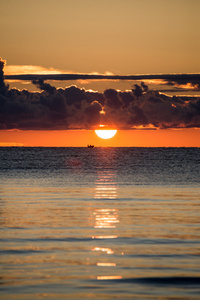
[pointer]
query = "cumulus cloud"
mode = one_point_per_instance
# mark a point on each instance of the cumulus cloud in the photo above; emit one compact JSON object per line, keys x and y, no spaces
{"x":2,"y":64}
{"x":72,"y":107}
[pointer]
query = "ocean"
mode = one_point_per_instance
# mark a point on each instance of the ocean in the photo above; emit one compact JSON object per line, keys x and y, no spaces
{"x":101,"y":223}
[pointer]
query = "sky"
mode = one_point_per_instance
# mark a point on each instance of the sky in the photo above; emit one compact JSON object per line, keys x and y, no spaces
{"x":119,"y":37}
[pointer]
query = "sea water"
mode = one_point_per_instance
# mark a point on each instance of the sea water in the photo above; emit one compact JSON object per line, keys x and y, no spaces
{"x":102,"y":223}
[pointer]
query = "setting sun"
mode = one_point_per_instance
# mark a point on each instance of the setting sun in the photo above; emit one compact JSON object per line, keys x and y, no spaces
{"x":105,"y":133}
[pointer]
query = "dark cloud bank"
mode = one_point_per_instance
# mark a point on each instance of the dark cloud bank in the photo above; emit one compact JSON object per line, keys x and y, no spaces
{"x":75,"y":108}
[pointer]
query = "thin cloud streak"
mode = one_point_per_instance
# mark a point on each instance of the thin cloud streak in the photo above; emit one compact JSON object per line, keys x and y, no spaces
{"x":178,"y":78}
{"x":30,"y":69}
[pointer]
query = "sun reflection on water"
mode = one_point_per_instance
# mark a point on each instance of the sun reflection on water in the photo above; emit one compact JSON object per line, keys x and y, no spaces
{"x":107,"y":250}
{"x":105,"y":217}
{"x":105,"y":186}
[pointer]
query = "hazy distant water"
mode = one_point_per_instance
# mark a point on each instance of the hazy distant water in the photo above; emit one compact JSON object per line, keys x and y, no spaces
{"x":102,"y":223}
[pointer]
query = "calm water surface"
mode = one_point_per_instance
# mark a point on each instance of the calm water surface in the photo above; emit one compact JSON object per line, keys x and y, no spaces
{"x":103,"y":223}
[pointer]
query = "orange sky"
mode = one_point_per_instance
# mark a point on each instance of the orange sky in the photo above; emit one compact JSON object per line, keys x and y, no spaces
{"x":114,"y":36}
{"x":119,"y":36}
{"x":123,"y":138}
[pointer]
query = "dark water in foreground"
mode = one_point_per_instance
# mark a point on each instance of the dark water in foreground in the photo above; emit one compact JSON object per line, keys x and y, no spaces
{"x":103,"y":223}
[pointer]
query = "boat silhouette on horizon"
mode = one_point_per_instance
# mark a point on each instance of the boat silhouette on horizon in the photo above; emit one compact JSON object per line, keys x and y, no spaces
{"x":90,"y":146}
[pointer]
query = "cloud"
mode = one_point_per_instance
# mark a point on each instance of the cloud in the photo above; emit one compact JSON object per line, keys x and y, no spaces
{"x":170,"y":79}
{"x":44,"y":86}
{"x":185,"y":82}
{"x":190,"y":85}
{"x":2,"y":64}
{"x":29,"y":69}
{"x":24,"y":73}
{"x":75,"y":108}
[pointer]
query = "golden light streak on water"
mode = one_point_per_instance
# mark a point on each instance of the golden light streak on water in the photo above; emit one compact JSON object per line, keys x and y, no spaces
{"x":108,"y":277}
{"x":107,"y":250}
{"x":106,"y":264}
{"x":105,"y":237}
{"x":105,"y":219}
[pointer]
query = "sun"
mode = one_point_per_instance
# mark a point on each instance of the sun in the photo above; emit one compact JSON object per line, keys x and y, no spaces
{"x":106,"y":133}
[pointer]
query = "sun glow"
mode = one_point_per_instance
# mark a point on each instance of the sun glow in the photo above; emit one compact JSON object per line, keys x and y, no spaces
{"x":105,"y":133}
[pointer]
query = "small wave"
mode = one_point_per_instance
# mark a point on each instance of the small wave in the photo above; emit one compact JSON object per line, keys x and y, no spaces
{"x":15,"y":251}
{"x":48,"y":239}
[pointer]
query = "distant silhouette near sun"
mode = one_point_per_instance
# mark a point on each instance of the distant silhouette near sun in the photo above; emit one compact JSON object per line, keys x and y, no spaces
{"x":106,"y":133}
